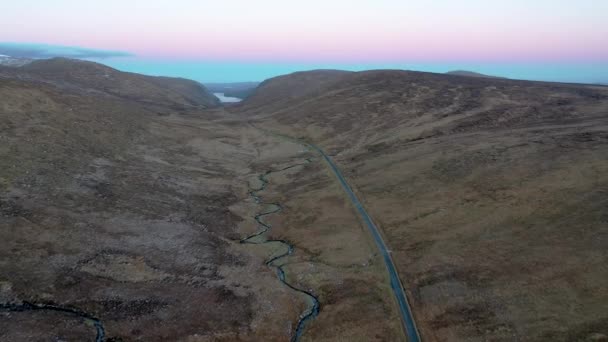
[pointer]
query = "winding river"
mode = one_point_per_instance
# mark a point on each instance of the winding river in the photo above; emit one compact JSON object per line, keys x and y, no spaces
{"x":405,"y":311}
{"x":27,"y":306}
{"x":259,"y":238}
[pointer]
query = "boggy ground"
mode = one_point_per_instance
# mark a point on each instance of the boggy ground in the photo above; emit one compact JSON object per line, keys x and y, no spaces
{"x":500,"y":237}
{"x":131,"y":214}
{"x":138,"y":235}
{"x":334,"y":258}
{"x":491,"y":194}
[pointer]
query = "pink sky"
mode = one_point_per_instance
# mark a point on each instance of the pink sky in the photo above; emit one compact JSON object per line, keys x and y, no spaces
{"x":315,"y":30}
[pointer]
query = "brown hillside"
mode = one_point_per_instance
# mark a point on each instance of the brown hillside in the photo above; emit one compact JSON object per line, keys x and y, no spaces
{"x":469,"y":74}
{"x":119,"y":213}
{"x":78,"y":75}
{"x":491,"y":194}
{"x":280,"y":91}
{"x":123,"y":201}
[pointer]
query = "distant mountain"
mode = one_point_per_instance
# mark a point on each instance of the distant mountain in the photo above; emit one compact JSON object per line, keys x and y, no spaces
{"x":240,"y":90}
{"x":94,"y":78}
{"x":280,"y":91}
{"x":219,"y":87}
{"x":14,"y":61}
{"x":469,"y":74}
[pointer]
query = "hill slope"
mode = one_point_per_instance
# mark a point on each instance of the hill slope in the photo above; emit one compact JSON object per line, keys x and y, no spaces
{"x":469,"y":74}
{"x":491,"y":193}
{"x":84,"y":76}
{"x":122,"y":201}
{"x":13,"y":61}
{"x":114,"y":215}
{"x":279,"y":92}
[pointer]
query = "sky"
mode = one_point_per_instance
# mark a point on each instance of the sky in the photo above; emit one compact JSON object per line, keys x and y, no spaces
{"x":246,"y":40}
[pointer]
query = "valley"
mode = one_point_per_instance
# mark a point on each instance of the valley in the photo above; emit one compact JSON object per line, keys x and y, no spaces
{"x":491,"y":202}
{"x":328,"y":205}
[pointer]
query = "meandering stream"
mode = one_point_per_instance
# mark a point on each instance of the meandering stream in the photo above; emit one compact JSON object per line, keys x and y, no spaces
{"x":26,"y":306}
{"x":407,"y":318}
{"x":259,"y":238}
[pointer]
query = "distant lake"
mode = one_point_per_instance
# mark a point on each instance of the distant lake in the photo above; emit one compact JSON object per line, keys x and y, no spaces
{"x":226,"y":99}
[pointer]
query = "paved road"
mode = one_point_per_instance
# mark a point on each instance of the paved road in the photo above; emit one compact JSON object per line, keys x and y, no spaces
{"x":404,"y":307}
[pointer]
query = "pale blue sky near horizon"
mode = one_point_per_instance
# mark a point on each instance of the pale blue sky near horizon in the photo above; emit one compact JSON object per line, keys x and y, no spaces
{"x":245,"y":40}
{"x":213,"y":71}
{"x":231,"y":71}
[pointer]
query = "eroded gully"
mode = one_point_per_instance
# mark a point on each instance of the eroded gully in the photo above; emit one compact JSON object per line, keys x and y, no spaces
{"x":259,"y":238}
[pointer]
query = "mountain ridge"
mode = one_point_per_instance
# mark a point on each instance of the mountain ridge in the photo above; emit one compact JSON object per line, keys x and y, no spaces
{"x":469,"y":178}
{"x":80,"y":75}
{"x":470,"y":74}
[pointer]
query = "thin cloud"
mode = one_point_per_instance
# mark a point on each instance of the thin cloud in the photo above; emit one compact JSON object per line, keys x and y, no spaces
{"x":37,"y":51}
